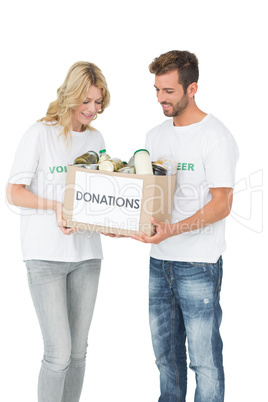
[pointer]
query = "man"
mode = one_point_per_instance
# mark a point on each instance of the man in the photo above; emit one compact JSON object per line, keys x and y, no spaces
{"x":186,"y":262}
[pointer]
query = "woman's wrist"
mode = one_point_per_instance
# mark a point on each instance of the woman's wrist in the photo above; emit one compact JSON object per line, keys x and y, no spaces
{"x":55,"y":205}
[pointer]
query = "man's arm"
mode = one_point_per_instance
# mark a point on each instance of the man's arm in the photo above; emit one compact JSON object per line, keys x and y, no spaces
{"x":215,"y":210}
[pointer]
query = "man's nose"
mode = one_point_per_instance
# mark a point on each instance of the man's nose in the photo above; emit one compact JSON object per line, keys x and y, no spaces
{"x":161,"y":97}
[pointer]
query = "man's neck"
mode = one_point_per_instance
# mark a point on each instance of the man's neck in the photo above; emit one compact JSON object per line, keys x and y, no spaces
{"x":192,"y":114}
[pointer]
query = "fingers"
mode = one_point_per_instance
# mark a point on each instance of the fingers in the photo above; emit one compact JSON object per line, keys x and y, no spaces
{"x":142,"y":238}
{"x":108,"y":234}
{"x":67,"y":230}
{"x":117,"y":236}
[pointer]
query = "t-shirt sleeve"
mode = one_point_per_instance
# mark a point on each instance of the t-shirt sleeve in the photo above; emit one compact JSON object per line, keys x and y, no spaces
{"x":26,"y":158}
{"x":220,"y":161}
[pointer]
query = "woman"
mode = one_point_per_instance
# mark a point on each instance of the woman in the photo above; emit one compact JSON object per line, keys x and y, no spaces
{"x":63,"y":264}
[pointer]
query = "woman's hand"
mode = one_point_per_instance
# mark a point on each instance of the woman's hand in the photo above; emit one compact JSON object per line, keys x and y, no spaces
{"x":58,"y":208}
{"x":117,"y":236}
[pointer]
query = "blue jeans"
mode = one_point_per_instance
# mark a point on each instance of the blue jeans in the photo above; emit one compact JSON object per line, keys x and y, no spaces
{"x":184,"y":302}
{"x":64,"y":296}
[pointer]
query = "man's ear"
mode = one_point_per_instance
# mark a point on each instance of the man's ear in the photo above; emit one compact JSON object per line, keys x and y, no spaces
{"x":192,"y":89}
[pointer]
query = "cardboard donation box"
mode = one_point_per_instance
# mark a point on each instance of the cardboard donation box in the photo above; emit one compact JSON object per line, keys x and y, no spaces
{"x":118,"y":203}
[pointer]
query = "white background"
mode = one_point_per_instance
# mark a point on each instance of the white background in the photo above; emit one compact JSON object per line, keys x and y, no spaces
{"x":39,"y":42}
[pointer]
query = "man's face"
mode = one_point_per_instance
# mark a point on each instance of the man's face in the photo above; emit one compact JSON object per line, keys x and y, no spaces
{"x":170,"y":94}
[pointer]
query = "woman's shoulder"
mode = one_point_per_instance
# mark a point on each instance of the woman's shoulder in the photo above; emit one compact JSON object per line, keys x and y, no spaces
{"x":94,"y":133}
{"x":39,"y":126}
{"x":42,"y":128}
{"x":39,"y":133}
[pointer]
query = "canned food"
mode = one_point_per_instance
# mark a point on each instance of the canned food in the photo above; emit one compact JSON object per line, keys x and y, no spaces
{"x":111,"y":165}
{"x":93,"y":166}
{"x":127,"y":169}
{"x":88,"y":158}
{"x":143,"y":164}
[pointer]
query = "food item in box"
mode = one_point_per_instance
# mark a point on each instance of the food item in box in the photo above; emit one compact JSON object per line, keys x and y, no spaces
{"x":88,"y":158}
{"x":103,"y":156}
{"x":127,"y":169}
{"x":143,"y":164}
{"x":159,"y":170}
{"x":111,"y":165}
{"x":131,"y":161}
{"x":168,"y":163}
{"x":93,"y":166}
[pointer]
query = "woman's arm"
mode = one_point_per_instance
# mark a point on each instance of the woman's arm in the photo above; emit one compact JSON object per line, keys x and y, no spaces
{"x":19,"y":196}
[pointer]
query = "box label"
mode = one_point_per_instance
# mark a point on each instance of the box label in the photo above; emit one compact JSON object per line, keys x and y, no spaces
{"x":107,"y":200}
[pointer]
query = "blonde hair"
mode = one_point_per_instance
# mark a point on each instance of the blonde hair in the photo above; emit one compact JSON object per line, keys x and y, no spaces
{"x":72,"y":93}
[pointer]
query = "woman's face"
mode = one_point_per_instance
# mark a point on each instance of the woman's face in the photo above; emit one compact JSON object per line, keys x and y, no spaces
{"x":85,"y":113}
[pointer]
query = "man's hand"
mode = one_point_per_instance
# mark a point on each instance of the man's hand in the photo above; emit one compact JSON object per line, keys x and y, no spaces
{"x":163,"y":231}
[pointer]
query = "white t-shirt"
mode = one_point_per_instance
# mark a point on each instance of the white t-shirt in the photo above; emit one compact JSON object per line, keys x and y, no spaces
{"x":41,"y":163}
{"x":206,"y":154}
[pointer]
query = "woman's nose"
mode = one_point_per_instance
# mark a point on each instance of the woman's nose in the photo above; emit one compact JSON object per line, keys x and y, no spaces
{"x":92,"y":107}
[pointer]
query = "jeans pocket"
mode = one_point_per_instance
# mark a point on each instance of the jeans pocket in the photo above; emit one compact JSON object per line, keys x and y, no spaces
{"x":42,"y":271}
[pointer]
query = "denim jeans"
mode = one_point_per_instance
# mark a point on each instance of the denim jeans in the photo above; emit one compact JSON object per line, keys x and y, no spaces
{"x":64,"y":296}
{"x":184,"y":302}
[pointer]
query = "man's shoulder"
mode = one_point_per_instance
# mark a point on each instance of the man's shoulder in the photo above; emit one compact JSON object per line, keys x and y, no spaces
{"x":165,"y":125}
{"x":216,"y":126}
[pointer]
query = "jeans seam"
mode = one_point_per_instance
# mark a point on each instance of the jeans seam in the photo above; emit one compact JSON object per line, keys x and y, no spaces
{"x":218,"y":288}
{"x":173,"y":316}
{"x":163,"y":267}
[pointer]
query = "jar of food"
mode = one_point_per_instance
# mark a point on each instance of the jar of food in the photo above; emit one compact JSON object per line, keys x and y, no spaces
{"x":103,"y":156}
{"x":168,"y":163}
{"x":88,"y":158}
{"x":159,"y":170}
{"x":127,"y":169}
{"x":131,"y":161}
{"x":93,"y":166}
{"x":143,"y":164}
{"x":111,"y":165}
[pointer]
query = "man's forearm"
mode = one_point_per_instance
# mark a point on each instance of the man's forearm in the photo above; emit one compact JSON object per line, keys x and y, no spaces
{"x":215,"y":210}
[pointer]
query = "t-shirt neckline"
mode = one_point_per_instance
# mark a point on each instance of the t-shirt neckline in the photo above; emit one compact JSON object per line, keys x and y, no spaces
{"x":190,"y":126}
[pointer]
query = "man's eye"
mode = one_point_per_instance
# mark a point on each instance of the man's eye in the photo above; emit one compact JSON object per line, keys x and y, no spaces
{"x":170,"y":92}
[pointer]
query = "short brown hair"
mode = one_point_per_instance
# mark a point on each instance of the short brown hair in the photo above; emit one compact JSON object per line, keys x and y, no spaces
{"x":184,"y":62}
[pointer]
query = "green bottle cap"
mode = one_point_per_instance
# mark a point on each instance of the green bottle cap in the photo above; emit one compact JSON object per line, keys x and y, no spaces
{"x":146,"y":150}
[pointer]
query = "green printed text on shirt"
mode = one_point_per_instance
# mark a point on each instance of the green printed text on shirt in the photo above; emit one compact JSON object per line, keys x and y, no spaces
{"x":185,"y":166}
{"x":58,"y":169}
